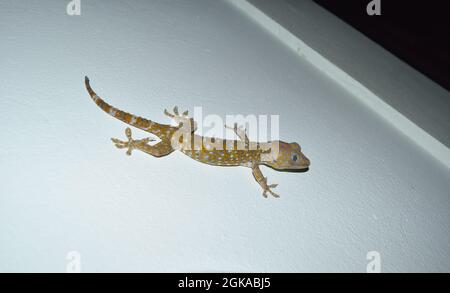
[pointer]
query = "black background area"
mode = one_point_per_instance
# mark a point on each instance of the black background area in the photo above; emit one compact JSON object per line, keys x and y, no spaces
{"x":417,"y":32}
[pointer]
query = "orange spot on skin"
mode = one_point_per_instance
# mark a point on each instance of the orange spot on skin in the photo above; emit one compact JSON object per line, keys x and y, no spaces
{"x":143,"y":122}
{"x":106,"y":107}
{"x":127,"y":117}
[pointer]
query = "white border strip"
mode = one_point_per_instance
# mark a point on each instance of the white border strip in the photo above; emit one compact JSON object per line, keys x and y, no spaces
{"x":430,"y":144}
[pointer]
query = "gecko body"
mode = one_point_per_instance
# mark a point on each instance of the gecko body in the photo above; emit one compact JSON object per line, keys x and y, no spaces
{"x":279,"y":155}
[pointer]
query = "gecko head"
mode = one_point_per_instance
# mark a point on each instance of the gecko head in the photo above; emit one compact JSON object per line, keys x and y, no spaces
{"x":287,"y":156}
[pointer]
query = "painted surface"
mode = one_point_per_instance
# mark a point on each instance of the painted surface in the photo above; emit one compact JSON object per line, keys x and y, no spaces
{"x":65,"y":187}
{"x":402,"y":96}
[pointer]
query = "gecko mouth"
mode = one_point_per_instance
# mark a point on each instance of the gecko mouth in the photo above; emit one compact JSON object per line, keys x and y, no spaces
{"x":299,"y":170}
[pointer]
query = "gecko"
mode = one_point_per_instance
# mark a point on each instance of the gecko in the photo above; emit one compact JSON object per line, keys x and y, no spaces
{"x":278,"y":155}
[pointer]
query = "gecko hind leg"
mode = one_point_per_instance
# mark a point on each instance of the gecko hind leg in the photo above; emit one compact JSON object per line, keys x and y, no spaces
{"x":182,"y":119}
{"x":158,"y":150}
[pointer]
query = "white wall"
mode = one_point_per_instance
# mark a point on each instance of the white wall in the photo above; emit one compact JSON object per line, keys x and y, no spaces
{"x":65,"y":187}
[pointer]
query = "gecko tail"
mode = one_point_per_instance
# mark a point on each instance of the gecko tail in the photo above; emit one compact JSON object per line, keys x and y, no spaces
{"x":128,"y":118}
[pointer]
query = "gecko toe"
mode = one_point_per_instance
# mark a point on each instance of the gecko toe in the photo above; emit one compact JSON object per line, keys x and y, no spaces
{"x":118,"y":143}
{"x":275,"y":195}
{"x":128,"y":133}
{"x":168,"y":114}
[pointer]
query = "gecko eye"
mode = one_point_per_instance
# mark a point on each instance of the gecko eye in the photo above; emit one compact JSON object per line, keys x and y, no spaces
{"x":294,"y":157}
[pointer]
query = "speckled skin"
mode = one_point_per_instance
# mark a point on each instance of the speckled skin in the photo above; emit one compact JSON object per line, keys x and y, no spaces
{"x":218,"y":152}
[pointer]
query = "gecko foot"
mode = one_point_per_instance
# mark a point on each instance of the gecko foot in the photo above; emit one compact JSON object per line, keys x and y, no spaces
{"x":131,"y":144}
{"x":182,"y":119}
{"x":267,"y":188}
{"x":176,"y":114}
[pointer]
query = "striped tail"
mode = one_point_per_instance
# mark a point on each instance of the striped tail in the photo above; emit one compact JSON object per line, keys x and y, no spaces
{"x":157,"y":129}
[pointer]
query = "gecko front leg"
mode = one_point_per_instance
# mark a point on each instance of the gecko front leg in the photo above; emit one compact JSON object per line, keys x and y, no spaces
{"x":158,"y":150}
{"x":241,"y":133}
{"x":259,"y":177}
